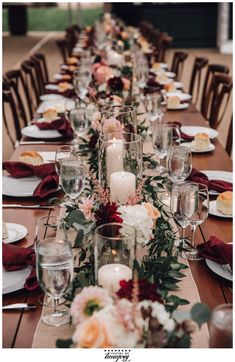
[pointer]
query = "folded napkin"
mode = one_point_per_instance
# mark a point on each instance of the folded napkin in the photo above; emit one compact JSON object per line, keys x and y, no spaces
{"x":216,"y":185}
{"x":152,"y":86}
{"x":16,"y":258}
{"x":68,"y":93}
{"x":61,"y":125}
{"x":218,"y":251}
{"x":183,"y":135}
{"x":50,"y":180}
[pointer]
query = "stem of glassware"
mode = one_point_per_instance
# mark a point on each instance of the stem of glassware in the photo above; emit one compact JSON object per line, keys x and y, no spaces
{"x":183,"y":233}
{"x":56,"y":303}
{"x":193,"y":235}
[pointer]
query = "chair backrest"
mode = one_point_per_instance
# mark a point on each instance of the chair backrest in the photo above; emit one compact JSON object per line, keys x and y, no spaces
{"x":31,"y":77}
{"x":164,"y":42}
{"x":178,"y":63}
{"x":9,"y":100}
{"x":218,"y":94}
{"x":195,"y":81}
{"x":211,"y":70}
{"x":63,"y":46}
{"x":20,"y":93}
{"x":40,"y":57}
{"x":229,"y":142}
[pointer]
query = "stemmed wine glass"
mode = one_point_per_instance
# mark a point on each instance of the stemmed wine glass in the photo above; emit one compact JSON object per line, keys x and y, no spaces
{"x":179,"y":163}
{"x":153,"y":106}
{"x":54,"y":267}
{"x":79,"y":122}
{"x":162,"y":142}
{"x":184,"y":204}
{"x":73,"y":177}
{"x":198,"y":218}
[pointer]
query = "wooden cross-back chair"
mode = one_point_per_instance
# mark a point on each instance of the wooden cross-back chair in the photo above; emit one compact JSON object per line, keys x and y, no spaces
{"x":164,"y":42}
{"x":178,"y":63}
{"x":195,"y":82}
{"x":9,"y":100}
{"x":229,"y":142}
{"x":64,"y":48}
{"x":218,"y":95}
{"x":20,"y":93}
{"x":33,"y":82}
{"x":211,"y":70}
{"x":41,"y":60}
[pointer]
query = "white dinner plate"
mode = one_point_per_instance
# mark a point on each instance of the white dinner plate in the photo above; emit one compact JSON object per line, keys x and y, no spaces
{"x":179,"y":107}
{"x":59,"y":76}
{"x":193,"y":130}
{"x":19,"y":187}
{"x":210,"y":148}
{"x":41,"y":120}
{"x":213,"y":210}
{"x":34,"y":132}
{"x":59,"y":104}
{"x":14,"y":280}
{"x":223,"y":271}
{"x":218,"y":175}
{"x":182,"y":96}
{"x":170,"y":74}
{"x":51,"y":86}
{"x":16,"y":232}
{"x":161,"y":66}
{"x":51,"y":97}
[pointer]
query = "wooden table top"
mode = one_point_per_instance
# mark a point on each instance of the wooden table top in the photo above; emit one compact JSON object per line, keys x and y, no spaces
{"x":19,"y":327}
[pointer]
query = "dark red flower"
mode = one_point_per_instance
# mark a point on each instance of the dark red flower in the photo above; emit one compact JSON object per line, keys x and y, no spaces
{"x":147,"y":290}
{"x":108,"y":213}
{"x":116,"y":84}
{"x":93,"y":141}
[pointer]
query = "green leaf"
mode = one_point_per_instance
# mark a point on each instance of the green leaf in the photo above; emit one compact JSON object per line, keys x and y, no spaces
{"x":64,"y":343}
{"x":82,"y":256}
{"x":76,"y":216}
{"x":79,"y":238}
{"x":184,"y":342}
{"x":200,"y":313}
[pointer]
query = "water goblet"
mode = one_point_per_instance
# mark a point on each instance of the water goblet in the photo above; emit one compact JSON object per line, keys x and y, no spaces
{"x":184,"y":203}
{"x":162,"y":142}
{"x":179,"y":163}
{"x":79,"y":123}
{"x":73,"y":177}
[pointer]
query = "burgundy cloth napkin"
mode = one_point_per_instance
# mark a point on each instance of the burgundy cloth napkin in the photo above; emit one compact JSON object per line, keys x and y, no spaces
{"x":216,"y":185}
{"x":218,"y":251}
{"x":50,"y":180}
{"x":61,"y":125}
{"x":152,"y":86}
{"x":68,"y":93}
{"x":183,"y":135}
{"x":16,"y":258}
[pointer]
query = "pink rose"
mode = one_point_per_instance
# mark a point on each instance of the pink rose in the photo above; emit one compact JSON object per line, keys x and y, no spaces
{"x":102,"y":74}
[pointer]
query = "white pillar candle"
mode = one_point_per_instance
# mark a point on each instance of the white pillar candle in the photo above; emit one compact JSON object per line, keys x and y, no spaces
{"x":109,"y":276}
{"x":122,"y":185}
{"x":114,"y":157}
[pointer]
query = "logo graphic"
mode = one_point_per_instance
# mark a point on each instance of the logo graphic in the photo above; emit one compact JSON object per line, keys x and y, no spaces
{"x":117,"y":355}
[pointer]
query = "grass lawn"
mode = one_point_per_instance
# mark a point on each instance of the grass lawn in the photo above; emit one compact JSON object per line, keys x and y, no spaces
{"x":53,"y":18}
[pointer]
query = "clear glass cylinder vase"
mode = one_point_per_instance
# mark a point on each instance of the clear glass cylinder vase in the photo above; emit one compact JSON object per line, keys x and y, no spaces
{"x":120,"y":158}
{"x":115,"y":248}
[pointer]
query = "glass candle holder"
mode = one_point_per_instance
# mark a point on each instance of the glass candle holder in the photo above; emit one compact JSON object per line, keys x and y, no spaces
{"x":114,"y":254}
{"x":120,"y":164}
{"x":221,"y":327}
{"x":126,"y":115}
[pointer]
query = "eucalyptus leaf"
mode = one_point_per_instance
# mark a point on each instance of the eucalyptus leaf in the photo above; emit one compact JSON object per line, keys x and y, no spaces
{"x":79,"y":238}
{"x":200,"y":313}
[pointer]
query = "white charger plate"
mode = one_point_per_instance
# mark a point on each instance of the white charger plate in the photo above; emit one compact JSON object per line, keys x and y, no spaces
{"x":34,"y":132}
{"x":51,"y":97}
{"x":51,"y":86}
{"x":180,"y":107}
{"x":210,"y":148}
{"x":193,"y":130}
{"x":14,"y":280}
{"x":182,"y":96}
{"x":16,"y":232}
{"x":19,"y":187}
{"x":221,"y":270}
{"x":213,"y":211}
{"x":170,"y":74}
{"x":178,"y":84}
{"x":218,"y":175}
{"x":59,"y":104}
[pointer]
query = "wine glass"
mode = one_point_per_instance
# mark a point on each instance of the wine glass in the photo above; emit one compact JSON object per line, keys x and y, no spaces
{"x":54,"y":267}
{"x":73,"y":177}
{"x":153,"y":106}
{"x":62,"y":153}
{"x":179,"y":163}
{"x":221,"y":327}
{"x":162,"y":141}
{"x":184,"y":204}
{"x":79,"y":123}
{"x":198,"y":218}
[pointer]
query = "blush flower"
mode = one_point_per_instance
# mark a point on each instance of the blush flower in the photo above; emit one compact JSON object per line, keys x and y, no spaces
{"x":95,"y":122}
{"x":152,"y":211}
{"x":90,"y":299}
{"x":113,"y":126}
{"x":103,"y":73}
{"x":126,"y":83}
{"x":86,"y":205}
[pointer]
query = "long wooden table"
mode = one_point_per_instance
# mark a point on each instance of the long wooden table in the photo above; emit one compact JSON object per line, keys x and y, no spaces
{"x":19,"y":327}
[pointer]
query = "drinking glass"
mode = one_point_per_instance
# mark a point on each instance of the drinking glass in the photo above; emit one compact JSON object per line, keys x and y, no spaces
{"x":184,"y":203}
{"x":198,"y":218}
{"x":54,"y":267}
{"x":79,"y":123}
{"x":162,"y":142}
{"x":179,"y":163}
{"x":72,"y":177}
{"x":221,"y":327}
{"x":62,"y":153}
{"x":153,"y":106}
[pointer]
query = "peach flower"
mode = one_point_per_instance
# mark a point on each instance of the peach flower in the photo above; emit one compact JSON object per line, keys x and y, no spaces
{"x":92,"y":333}
{"x":152,"y":211}
{"x":102,"y":74}
{"x":112,"y":125}
{"x":95,"y":122}
{"x":126,"y":83}
{"x":86,"y":206}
